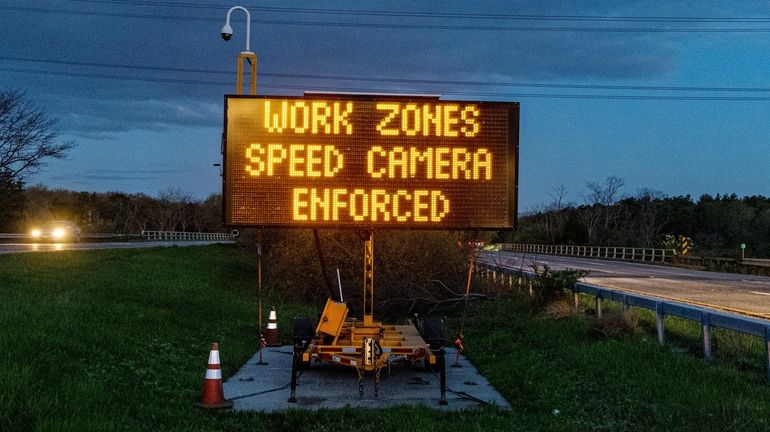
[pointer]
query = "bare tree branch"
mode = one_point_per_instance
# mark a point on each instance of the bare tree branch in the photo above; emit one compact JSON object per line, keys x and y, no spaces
{"x":600,"y":211}
{"x":27,"y":136}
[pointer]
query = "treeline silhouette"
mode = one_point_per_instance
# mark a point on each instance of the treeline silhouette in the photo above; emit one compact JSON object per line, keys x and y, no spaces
{"x":111,"y":212}
{"x":716,"y":225}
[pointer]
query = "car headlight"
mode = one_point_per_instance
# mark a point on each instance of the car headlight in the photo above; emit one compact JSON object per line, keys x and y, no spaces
{"x":58,"y":233}
{"x":35,"y":233}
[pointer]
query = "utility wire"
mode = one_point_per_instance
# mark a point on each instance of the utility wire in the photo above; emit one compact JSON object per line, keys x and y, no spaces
{"x":450,"y":15}
{"x":399,"y":80}
{"x":387,"y":91}
{"x":421,"y":27}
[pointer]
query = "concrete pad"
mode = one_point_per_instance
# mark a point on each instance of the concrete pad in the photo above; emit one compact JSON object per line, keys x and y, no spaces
{"x":266,"y":387}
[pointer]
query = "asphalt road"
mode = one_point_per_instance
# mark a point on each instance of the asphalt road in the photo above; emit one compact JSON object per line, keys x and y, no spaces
{"x":733,"y":292}
{"x":6,"y":248}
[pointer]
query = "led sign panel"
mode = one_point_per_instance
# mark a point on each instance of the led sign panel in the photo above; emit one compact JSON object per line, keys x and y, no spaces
{"x":370,"y":162}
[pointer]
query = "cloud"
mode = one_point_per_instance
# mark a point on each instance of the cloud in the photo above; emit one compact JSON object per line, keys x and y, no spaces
{"x":96,"y":108}
{"x":101,"y":117}
{"x":117,"y":175}
{"x":464,"y":53}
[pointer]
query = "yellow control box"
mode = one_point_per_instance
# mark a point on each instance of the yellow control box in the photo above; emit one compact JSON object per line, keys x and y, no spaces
{"x":332,"y":318}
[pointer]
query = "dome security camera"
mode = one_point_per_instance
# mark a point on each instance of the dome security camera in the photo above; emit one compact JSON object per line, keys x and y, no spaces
{"x":227,"y":32}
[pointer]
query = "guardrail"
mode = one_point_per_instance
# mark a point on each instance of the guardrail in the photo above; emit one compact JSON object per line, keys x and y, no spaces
{"x":611,"y":252}
{"x":755,"y":262}
{"x":14,"y":236}
{"x":185,"y":235}
{"x":84,"y":236}
{"x":708,"y":318}
{"x":145,"y":235}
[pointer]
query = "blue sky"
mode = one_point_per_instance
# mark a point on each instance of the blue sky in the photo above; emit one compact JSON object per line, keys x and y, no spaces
{"x":148,"y":130}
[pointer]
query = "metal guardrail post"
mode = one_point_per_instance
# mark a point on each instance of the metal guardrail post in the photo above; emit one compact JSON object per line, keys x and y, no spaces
{"x":659,"y":317}
{"x":767,"y":351}
{"x":598,"y":306}
{"x":576,"y":296}
{"x":706,"y":325}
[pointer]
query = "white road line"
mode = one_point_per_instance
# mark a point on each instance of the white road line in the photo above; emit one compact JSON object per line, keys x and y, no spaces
{"x":760,"y":293}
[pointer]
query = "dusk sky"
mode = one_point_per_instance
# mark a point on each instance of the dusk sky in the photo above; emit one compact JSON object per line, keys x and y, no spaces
{"x":669,"y":95}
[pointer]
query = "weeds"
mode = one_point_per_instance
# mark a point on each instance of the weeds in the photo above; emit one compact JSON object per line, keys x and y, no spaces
{"x":559,"y":309}
{"x":615,"y":325}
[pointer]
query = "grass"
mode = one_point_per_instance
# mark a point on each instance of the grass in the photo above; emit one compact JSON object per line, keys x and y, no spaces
{"x":729,"y":348}
{"x":118,"y":340}
{"x":611,"y":384}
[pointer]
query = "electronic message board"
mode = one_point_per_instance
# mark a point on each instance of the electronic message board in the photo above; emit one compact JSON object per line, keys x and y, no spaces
{"x":369,"y":161}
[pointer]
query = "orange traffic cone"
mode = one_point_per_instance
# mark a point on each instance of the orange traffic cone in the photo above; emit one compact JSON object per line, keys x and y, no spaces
{"x":272,"y":336}
{"x":213,"y":395}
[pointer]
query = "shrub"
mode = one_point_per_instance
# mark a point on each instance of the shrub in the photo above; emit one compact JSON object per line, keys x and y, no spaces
{"x":549,"y":286}
{"x":413,"y":270}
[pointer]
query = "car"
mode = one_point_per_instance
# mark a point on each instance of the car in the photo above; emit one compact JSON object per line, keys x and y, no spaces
{"x":57,"y":231}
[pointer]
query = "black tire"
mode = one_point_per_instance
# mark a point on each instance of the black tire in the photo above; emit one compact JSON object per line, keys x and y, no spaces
{"x":433,"y":333}
{"x":304,"y":330}
{"x":303,"y":333}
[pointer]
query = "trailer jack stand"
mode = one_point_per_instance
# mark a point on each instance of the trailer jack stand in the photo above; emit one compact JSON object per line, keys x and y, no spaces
{"x":360,"y":383}
{"x":295,"y":362}
{"x":442,"y":371}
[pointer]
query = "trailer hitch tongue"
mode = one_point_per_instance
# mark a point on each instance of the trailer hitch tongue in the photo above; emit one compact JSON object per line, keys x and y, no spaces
{"x":369,"y":351}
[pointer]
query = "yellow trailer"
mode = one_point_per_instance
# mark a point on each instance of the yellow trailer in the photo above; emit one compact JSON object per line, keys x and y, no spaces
{"x":366,"y":345}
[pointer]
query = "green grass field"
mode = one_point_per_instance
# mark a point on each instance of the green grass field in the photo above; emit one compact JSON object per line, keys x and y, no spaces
{"x":118,"y":340}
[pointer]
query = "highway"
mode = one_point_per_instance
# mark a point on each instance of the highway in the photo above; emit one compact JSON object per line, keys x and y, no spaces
{"x":6,"y":248}
{"x":727,"y":291}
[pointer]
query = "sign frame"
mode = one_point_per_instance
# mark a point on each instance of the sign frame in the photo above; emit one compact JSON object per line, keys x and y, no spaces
{"x":512,"y":162}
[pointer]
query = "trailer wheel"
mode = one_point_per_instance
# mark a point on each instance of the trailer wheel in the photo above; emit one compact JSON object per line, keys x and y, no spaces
{"x":304,"y":330}
{"x":433,"y":333}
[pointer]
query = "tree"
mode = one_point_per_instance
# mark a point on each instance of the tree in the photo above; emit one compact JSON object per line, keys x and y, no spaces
{"x":208,"y":214}
{"x":650,"y":215}
{"x":552,"y":218}
{"x":600,"y":211}
{"x":173,"y":210}
{"x":28,"y":136}
{"x":11,"y":201}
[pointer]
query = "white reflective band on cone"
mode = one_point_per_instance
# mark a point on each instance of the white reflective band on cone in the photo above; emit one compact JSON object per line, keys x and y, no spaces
{"x":272,"y":316}
{"x":213,"y":374}
{"x":272,"y":326}
{"x":214,"y":357}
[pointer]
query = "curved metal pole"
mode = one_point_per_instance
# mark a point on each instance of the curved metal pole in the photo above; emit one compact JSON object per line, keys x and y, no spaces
{"x":248,"y":24}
